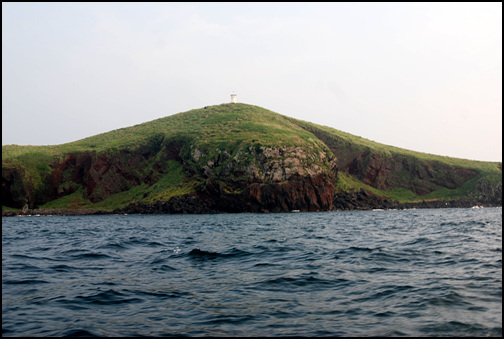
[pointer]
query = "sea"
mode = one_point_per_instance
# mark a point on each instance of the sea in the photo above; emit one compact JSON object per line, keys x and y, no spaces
{"x":425,"y":272}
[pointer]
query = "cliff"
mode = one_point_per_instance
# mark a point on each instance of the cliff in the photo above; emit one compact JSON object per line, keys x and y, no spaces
{"x":236,"y":158}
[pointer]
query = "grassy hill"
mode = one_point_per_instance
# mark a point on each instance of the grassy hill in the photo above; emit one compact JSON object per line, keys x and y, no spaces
{"x":231,"y":146}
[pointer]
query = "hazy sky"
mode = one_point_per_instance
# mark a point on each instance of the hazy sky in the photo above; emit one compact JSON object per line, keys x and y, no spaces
{"x":421,"y":76}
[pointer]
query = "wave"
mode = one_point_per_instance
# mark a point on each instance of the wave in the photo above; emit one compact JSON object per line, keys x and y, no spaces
{"x":305,"y":282}
{"x":114,"y":246}
{"x":91,"y":256}
{"x":24,"y":282}
{"x":109,"y":297}
{"x":160,"y":294}
{"x":198,"y":254}
{"x":79,"y":333}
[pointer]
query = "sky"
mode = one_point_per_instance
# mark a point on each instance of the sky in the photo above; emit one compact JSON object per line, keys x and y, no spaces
{"x":421,"y":76}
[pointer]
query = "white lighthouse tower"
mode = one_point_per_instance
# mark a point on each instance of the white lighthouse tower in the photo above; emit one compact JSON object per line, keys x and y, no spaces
{"x":233,"y":98}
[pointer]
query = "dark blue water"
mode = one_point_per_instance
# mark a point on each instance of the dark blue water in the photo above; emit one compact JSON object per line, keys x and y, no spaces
{"x":369,"y":273}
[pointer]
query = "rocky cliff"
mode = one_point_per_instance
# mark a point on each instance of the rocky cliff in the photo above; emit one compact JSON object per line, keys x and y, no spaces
{"x":254,"y":179}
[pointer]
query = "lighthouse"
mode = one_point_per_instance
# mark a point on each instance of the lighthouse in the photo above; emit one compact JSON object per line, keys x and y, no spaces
{"x":233,"y":98}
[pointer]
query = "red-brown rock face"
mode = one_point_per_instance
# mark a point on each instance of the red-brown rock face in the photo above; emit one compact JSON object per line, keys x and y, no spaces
{"x":297,"y":193}
{"x":422,"y":177}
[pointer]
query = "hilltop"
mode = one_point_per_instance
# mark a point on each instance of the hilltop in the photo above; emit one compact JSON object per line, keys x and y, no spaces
{"x":237,"y":158}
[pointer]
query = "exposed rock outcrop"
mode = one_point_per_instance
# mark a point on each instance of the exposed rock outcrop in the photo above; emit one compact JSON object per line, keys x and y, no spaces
{"x":487,"y":193}
{"x":304,"y":194}
{"x":269,"y":179}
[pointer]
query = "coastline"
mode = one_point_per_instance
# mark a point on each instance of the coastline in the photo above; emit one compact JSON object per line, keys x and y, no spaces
{"x":347,"y":207}
{"x":49,"y":212}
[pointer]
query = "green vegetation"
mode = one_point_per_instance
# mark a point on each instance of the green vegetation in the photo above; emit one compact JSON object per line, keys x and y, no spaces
{"x":72,"y":201}
{"x":169,"y":185}
{"x":348,"y":183}
{"x":215,"y":125}
{"x":229,"y":133}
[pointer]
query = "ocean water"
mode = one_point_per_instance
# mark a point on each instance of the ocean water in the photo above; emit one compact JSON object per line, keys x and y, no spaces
{"x":432,"y":272}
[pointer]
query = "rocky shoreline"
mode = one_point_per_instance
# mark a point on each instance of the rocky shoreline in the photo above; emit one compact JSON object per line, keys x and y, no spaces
{"x":49,"y":212}
{"x":355,"y":201}
{"x":362,"y":200}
